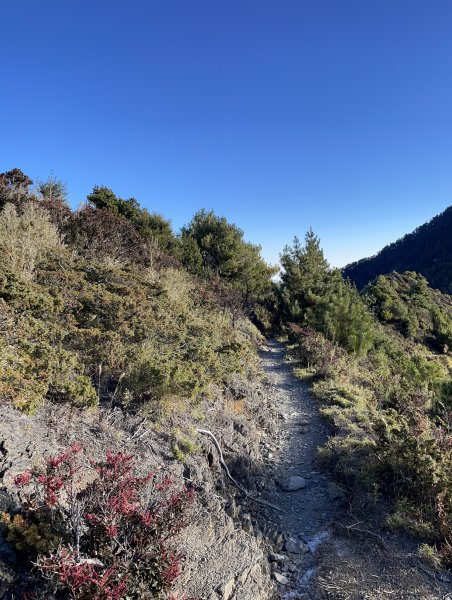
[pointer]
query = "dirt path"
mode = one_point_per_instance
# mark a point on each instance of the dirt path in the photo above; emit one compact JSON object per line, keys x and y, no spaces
{"x":315,"y":558}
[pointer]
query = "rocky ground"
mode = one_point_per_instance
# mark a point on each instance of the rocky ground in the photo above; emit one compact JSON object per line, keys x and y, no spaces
{"x":224,"y":558}
{"x":311,"y":547}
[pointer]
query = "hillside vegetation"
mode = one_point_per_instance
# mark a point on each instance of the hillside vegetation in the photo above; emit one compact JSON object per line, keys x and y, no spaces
{"x":380,"y":363}
{"x":427,"y":250}
{"x":97,"y":304}
{"x":107,"y":306}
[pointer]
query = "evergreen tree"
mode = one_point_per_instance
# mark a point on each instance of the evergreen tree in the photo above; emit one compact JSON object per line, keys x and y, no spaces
{"x":212,"y":247}
{"x":303,"y":280}
{"x":52,"y":189}
{"x":342,"y":316}
{"x":312,"y":294}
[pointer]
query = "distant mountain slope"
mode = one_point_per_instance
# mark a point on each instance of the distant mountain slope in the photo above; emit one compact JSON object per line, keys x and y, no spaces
{"x":427,"y":250}
{"x":405,"y":302}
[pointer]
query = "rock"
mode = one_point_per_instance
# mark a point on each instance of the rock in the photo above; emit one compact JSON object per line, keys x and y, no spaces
{"x":296,"y":546}
{"x":281,"y":579}
{"x":274,"y":557}
{"x":228,"y":589}
{"x":292,"y":546}
{"x":293,"y":483}
{"x":247,"y":524}
{"x":232,"y":510}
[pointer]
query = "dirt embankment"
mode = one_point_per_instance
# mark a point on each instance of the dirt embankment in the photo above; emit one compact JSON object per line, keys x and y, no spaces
{"x":224,"y":556}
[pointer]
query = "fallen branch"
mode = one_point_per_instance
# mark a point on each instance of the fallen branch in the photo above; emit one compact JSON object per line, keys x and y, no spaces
{"x":238,"y":485}
{"x":354,"y":529}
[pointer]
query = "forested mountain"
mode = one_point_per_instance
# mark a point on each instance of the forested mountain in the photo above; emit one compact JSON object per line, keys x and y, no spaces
{"x":427,"y":250}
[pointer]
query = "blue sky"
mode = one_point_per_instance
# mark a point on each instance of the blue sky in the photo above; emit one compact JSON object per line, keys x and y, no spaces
{"x":279,"y":115}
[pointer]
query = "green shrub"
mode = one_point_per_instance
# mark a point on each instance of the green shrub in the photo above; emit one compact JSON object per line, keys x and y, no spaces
{"x":391,"y":429}
{"x":26,"y":238}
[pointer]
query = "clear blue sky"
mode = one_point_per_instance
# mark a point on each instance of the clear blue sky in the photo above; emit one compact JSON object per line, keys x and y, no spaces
{"x":279,"y":115}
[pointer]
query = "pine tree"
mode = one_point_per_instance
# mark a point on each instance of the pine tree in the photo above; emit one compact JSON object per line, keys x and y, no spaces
{"x":304,"y":276}
{"x":221,"y":252}
{"x":312,"y":294}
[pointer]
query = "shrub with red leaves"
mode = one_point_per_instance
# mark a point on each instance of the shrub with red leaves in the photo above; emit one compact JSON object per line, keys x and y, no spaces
{"x":99,"y":233}
{"x":117,"y":531}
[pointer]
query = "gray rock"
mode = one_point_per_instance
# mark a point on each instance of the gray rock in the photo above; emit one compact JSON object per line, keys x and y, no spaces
{"x":274,"y":557}
{"x":281,"y":579}
{"x":296,"y":546}
{"x":228,"y":589}
{"x":292,"y":546}
{"x":293,"y":483}
{"x":232,"y":510}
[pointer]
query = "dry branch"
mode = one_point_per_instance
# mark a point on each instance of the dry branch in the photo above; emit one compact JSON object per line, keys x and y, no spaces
{"x":238,"y":485}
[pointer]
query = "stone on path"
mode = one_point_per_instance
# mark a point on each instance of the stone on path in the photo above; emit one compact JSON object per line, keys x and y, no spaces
{"x":293,"y":483}
{"x":274,"y":557}
{"x":296,"y":546}
{"x":281,"y":579}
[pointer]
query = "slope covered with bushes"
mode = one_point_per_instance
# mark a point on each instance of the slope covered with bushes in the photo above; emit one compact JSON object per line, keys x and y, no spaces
{"x":381,"y":366}
{"x":93,"y":307}
{"x":105,"y":307}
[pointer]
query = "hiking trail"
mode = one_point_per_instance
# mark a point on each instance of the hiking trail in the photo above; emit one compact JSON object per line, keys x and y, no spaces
{"x":322,"y":549}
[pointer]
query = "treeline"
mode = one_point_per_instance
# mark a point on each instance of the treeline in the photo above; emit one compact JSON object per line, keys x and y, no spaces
{"x":427,"y":250}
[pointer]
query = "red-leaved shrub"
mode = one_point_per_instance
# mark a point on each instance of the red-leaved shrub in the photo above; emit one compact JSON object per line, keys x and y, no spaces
{"x":117,"y":527}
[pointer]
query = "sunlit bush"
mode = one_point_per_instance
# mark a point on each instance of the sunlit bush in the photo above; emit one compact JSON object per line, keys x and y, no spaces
{"x":116,"y":532}
{"x":26,"y":238}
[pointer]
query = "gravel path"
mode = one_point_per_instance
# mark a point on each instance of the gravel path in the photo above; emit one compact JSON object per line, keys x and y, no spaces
{"x":291,"y":459}
{"x":315,"y":557}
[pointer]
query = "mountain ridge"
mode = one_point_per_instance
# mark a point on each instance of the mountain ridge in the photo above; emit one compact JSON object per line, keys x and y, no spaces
{"x":426,"y":250}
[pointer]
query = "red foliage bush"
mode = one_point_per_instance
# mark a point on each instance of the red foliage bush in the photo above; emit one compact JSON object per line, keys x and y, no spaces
{"x":117,"y":531}
{"x":98,"y":233}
